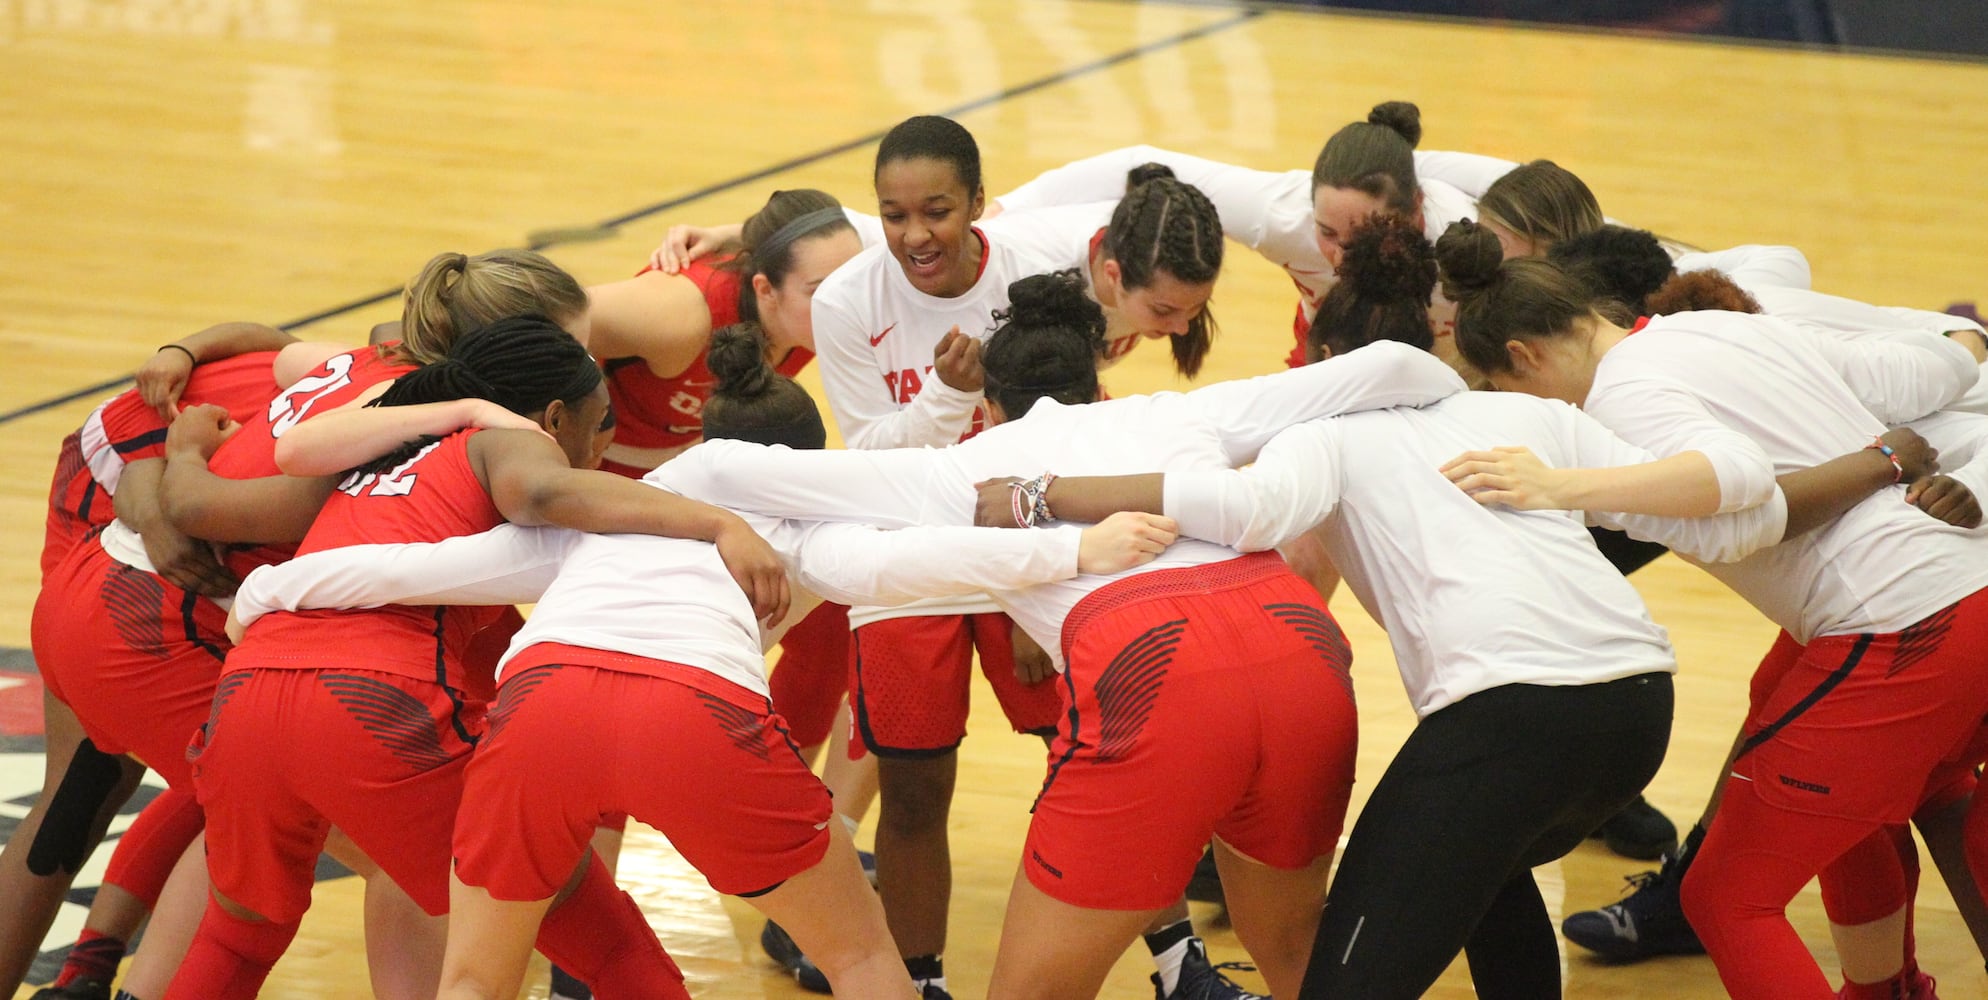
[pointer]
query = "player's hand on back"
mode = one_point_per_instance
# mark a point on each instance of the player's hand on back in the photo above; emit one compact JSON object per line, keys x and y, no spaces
{"x":994,"y":507}
{"x":1124,"y":540}
{"x":758,"y":570}
{"x":1944,"y":498}
{"x":162,"y":378}
{"x":687,"y":243}
{"x":200,"y":430}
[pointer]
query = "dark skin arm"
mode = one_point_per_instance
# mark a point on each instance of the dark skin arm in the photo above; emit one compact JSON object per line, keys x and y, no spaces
{"x":163,"y":377}
{"x":1815,"y":496}
{"x":187,"y":563}
{"x":531,"y":482}
{"x":201,"y":504}
{"x":1075,"y":498}
{"x":1819,"y":495}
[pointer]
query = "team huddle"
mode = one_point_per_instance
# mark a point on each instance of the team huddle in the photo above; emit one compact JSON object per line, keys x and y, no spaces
{"x":284,"y":576}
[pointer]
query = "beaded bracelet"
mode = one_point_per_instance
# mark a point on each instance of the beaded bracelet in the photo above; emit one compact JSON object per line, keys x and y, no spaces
{"x":1030,"y":501}
{"x":1897,"y":467}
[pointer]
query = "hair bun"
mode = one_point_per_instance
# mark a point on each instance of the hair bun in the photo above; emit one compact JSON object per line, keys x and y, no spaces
{"x":1387,"y":258}
{"x":1145,"y":172}
{"x":737,"y":358}
{"x":1469,"y":255}
{"x":1402,"y":117}
{"x":1056,"y":299}
{"x":1627,"y":265}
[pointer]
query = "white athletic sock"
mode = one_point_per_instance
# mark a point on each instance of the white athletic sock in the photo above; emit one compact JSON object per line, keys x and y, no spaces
{"x":1168,"y":964}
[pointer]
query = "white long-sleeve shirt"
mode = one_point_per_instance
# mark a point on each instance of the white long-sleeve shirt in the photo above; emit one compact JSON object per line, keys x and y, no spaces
{"x":1472,"y":597}
{"x":1761,"y":397}
{"x":659,"y":598}
{"x":875,"y":334}
{"x":1209,"y":429}
{"x":1268,"y":211}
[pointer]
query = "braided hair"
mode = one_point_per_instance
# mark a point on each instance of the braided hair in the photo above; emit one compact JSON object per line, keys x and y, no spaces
{"x":522,"y":364}
{"x":753,"y":402}
{"x":1375,"y":157}
{"x":1165,"y":225}
{"x":1047,"y":344}
{"x":1385,"y":280}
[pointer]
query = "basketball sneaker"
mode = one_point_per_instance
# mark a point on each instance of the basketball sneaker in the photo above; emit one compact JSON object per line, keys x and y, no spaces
{"x":933,"y":991}
{"x":1638,"y":831}
{"x":1921,"y":988}
{"x":781,"y":948}
{"x":1649,"y":922}
{"x":565,"y":987}
{"x":76,"y":989}
{"x":1202,"y":981}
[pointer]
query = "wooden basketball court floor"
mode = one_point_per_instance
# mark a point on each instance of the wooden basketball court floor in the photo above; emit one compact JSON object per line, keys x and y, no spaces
{"x":167,"y":165}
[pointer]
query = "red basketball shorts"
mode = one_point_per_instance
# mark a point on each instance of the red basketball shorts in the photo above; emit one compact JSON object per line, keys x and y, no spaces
{"x":1213,"y":700}
{"x":1854,"y":726}
{"x":288,"y":754}
{"x":910,"y":679}
{"x":76,"y":504}
{"x":813,"y":673}
{"x":578,"y":733}
{"x":133,"y":656}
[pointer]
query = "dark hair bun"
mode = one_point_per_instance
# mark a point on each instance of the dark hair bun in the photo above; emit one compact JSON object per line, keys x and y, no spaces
{"x":737,"y":358}
{"x":1145,"y":172}
{"x":1469,"y":255}
{"x":1387,"y":259}
{"x":1404,"y":118}
{"x":1055,"y":299}
{"x":1616,"y":262}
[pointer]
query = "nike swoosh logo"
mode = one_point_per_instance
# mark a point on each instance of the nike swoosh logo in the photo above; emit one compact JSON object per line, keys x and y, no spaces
{"x":879,"y":338}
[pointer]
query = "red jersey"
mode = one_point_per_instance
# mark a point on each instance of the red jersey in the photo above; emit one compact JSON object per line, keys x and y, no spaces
{"x":651,"y":411}
{"x":430,"y":497}
{"x":251,"y":453}
{"x":126,"y":429}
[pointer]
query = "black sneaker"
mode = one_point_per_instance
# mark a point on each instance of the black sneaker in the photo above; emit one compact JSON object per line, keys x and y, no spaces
{"x":1649,"y":922}
{"x":782,"y":949}
{"x":565,"y":987}
{"x":77,"y":989}
{"x":1639,"y":831}
{"x":1206,"y":885}
{"x":933,"y":991}
{"x":1201,"y":981}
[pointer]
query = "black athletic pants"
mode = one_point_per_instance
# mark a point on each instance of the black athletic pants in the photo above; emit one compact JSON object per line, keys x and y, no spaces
{"x":1441,"y":858}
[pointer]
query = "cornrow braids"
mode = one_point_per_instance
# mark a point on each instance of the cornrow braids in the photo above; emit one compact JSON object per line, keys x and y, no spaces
{"x":522,"y":364}
{"x":1167,"y":225}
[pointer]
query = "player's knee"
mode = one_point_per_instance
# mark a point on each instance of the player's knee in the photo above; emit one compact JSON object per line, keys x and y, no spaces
{"x":914,"y":804}
{"x":68,"y":827}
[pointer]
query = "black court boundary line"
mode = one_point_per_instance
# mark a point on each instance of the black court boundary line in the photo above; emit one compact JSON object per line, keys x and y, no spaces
{"x":1567,"y":28}
{"x":1062,"y":76}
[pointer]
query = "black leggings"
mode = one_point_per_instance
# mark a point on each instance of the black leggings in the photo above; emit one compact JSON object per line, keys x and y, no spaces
{"x":1441,"y":858}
